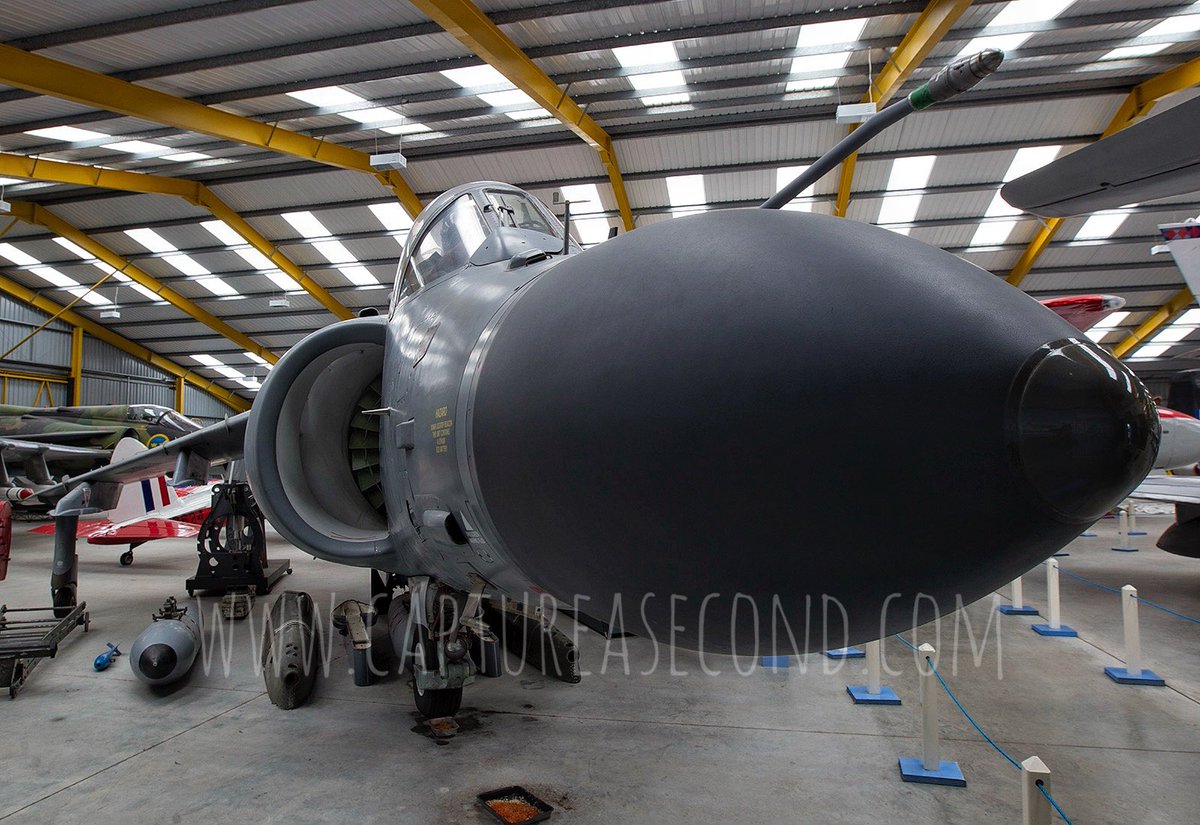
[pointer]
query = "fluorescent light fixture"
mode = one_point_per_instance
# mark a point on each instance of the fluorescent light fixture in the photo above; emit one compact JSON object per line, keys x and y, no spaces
{"x":206,"y":360}
{"x":16,"y":256}
{"x":1016,"y":13}
{"x":68,"y":134}
{"x":151,"y":240}
{"x":358,"y":275}
{"x":392,"y":216}
{"x":186,"y":157}
{"x":686,"y":191}
{"x":326,"y":96}
{"x":474,"y":77}
{"x":785,"y":175}
{"x":1150,"y":351}
{"x":1101,"y":225}
{"x":653,"y":54}
{"x":135,"y":147}
{"x":307,"y":224}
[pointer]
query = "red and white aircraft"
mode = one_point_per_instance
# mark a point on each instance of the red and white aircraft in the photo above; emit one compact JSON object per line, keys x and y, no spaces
{"x":146,"y":510}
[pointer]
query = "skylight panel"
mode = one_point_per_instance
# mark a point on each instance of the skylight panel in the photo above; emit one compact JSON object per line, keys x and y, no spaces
{"x":327,"y":96}
{"x":514,"y":97}
{"x":216,"y":286}
{"x":375,"y":114}
{"x":258,"y":359}
{"x":186,"y":264}
{"x":1172,"y":334}
{"x":67,"y":134}
{"x":392,"y":216}
{"x":686,"y":191}
{"x":151,"y":240}
{"x":653,"y":54}
{"x":1015,"y":13}
{"x":1150,"y":351}
{"x":224,"y":233}
{"x":585,"y":198}
{"x":358,"y":275}
{"x":1101,"y":225}
{"x":186,"y":157}
{"x":820,"y":34}
{"x":1180,"y":24}
{"x":16,"y":256}
{"x":307,"y":224}
{"x":1189,"y":318}
{"x":135,"y":147}
{"x":206,"y":360}
{"x":76,"y":249}
{"x":335,"y":252}
{"x":52,"y":276}
{"x":992,"y":233}
{"x":785,"y":175}
{"x":906,"y":173}
{"x":230,"y":372}
{"x":1026,"y":160}
{"x":474,"y":77}
{"x":406,"y":129}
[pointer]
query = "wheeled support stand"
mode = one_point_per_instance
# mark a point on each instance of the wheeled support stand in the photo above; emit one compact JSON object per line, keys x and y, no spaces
{"x":233,"y":545}
{"x":64,"y":575}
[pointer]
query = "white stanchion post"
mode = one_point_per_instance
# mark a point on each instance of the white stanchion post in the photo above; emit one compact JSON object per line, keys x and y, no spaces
{"x":930,"y":746}
{"x":1134,"y":673}
{"x":1018,"y":593}
{"x":1123,"y":522}
{"x":1133,"y":531}
{"x":1035,"y":808}
{"x":1133,"y":636}
{"x":874,"y":676}
{"x":1052,"y":593}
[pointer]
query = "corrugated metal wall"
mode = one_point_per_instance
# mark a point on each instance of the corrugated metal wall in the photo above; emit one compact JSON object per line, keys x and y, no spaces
{"x":110,"y":376}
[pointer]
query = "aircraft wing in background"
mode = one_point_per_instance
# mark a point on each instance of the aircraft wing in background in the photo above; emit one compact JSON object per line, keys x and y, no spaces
{"x":187,"y":460}
{"x":1084,"y":311}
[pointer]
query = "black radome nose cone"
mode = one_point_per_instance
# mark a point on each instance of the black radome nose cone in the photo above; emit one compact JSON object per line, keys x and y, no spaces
{"x":1083,"y":430}
{"x":157,"y":661}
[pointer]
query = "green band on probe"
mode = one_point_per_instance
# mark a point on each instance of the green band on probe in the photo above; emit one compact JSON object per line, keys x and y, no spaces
{"x":921,"y":98}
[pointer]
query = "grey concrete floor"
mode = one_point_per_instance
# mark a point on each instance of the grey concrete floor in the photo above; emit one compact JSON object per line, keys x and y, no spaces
{"x":81,"y":746}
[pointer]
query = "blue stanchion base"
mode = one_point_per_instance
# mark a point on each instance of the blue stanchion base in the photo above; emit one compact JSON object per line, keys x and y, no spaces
{"x":948,"y":773}
{"x":776,"y":661}
{"x":1088,"y":535}
{"x":1013,"y":610}
{"x":1047,"y":630}
{"x":1136,"y":533}
{"x":1123,"y":677}
{"x":1125,"y":549}
{"x":845,"y":653}
{"x":860,"y":695}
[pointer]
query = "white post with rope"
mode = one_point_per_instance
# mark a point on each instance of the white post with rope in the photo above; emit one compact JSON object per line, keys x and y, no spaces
{"x":1053,"y":627}
{"x":874,"y":692}
{"x":1133,"y":673}
{"x":930,"y":768}
{"x":1035,"y":808}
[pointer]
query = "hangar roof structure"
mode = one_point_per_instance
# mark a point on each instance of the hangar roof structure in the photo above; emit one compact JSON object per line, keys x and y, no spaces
{"x":209,"y":163}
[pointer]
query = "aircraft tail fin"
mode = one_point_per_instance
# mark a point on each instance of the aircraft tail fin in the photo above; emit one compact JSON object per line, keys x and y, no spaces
{"x":139,"y":497}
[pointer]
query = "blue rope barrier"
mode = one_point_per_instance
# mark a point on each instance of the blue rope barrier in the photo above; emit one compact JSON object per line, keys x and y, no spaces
{"x":1053,"y":804}
{"x":1116,"y":590}
{"x":907,"y":643}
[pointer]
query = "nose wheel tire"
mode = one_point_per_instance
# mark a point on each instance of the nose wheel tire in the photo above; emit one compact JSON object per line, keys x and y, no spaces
{"x":432,"y":704}
{"x":126,"y":558}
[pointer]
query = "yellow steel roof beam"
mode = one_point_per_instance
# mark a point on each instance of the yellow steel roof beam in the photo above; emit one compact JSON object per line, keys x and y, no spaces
{"x":29,"y":296}
{"x":477,"y":32}
{"x":62,"y":80}
{"x":31,"y":168}
{"x":1136,"y":104}
{"x":39,"y":216}
{"x":925,"y":33}
{"x":1180,"y":301}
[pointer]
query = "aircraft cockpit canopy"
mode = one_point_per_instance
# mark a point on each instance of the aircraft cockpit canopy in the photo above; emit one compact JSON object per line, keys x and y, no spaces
{"x":165,"y":416}
{"x":460,"y":221}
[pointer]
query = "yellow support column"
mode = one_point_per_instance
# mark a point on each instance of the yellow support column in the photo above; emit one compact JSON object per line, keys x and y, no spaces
{"x":77,"y":366}
{"x":179,"y":395}
{"x":925,"y":33}
{"x":477,"y":32}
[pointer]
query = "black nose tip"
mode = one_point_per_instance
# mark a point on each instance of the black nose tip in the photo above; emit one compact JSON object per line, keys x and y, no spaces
{"x":1083,"y":430}
{"x":157,"y":661}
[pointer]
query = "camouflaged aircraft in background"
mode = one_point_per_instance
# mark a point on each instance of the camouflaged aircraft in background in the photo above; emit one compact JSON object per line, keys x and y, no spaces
{"x":39,"y":445}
